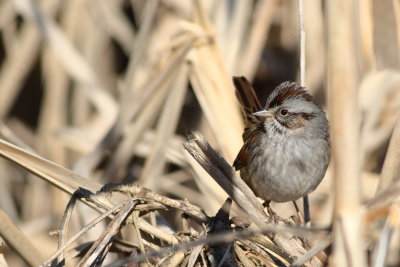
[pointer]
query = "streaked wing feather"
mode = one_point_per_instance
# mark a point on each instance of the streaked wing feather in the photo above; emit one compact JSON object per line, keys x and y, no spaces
{"x":246,"y":95}
{"x":242,"y":159}
{"x":249,"y":103}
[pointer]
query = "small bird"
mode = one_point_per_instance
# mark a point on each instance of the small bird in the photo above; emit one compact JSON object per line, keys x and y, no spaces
{"x":286,"y":148}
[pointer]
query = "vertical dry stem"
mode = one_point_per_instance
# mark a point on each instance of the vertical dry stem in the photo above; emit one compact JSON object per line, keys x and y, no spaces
{"x":342,"y":84}
{"x":302,"y":44}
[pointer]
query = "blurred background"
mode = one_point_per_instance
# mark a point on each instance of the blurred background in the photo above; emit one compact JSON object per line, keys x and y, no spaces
{"x":109,"y":89}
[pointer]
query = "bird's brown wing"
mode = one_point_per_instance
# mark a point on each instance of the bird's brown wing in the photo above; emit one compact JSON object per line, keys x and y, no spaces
{"x":249,"y":103}
{"x":243,"y":156}
{"x":246,"y":96}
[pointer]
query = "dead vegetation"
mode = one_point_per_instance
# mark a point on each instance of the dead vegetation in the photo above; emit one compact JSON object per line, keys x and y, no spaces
{"x":112,"y":91}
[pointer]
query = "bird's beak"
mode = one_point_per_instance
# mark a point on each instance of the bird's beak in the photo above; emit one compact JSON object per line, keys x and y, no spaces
{"x":263,"y":113}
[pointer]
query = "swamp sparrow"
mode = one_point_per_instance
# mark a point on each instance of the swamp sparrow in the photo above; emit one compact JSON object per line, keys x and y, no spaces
{"x":286,"y":147}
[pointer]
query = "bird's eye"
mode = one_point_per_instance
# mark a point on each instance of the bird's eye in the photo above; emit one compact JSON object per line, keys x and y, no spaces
{"x":284,"y":112}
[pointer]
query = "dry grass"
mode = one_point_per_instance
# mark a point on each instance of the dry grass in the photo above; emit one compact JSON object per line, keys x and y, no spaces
{"x":110,"y":89}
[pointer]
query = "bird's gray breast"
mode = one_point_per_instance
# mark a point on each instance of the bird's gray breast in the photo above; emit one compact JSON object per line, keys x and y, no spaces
{"x":284,"y":168}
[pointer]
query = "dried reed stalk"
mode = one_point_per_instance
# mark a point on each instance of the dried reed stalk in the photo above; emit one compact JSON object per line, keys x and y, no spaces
{"x":344,"y":117}
{"x":20,"y":242}
{"x":116,"y":66}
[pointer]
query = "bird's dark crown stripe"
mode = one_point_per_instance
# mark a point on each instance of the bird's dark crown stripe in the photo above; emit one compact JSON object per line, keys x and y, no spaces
{"x":288,"y":90}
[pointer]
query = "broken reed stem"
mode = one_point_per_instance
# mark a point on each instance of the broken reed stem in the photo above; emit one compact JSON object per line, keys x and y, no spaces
{"x":140,"y":193}
{"x":319,"y":247}
{"x":100,"y":248}
{"x":90,"y":225}
{"x":223,"y":174}
{"x":64,"y":225}
{"x":218,"y":238}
